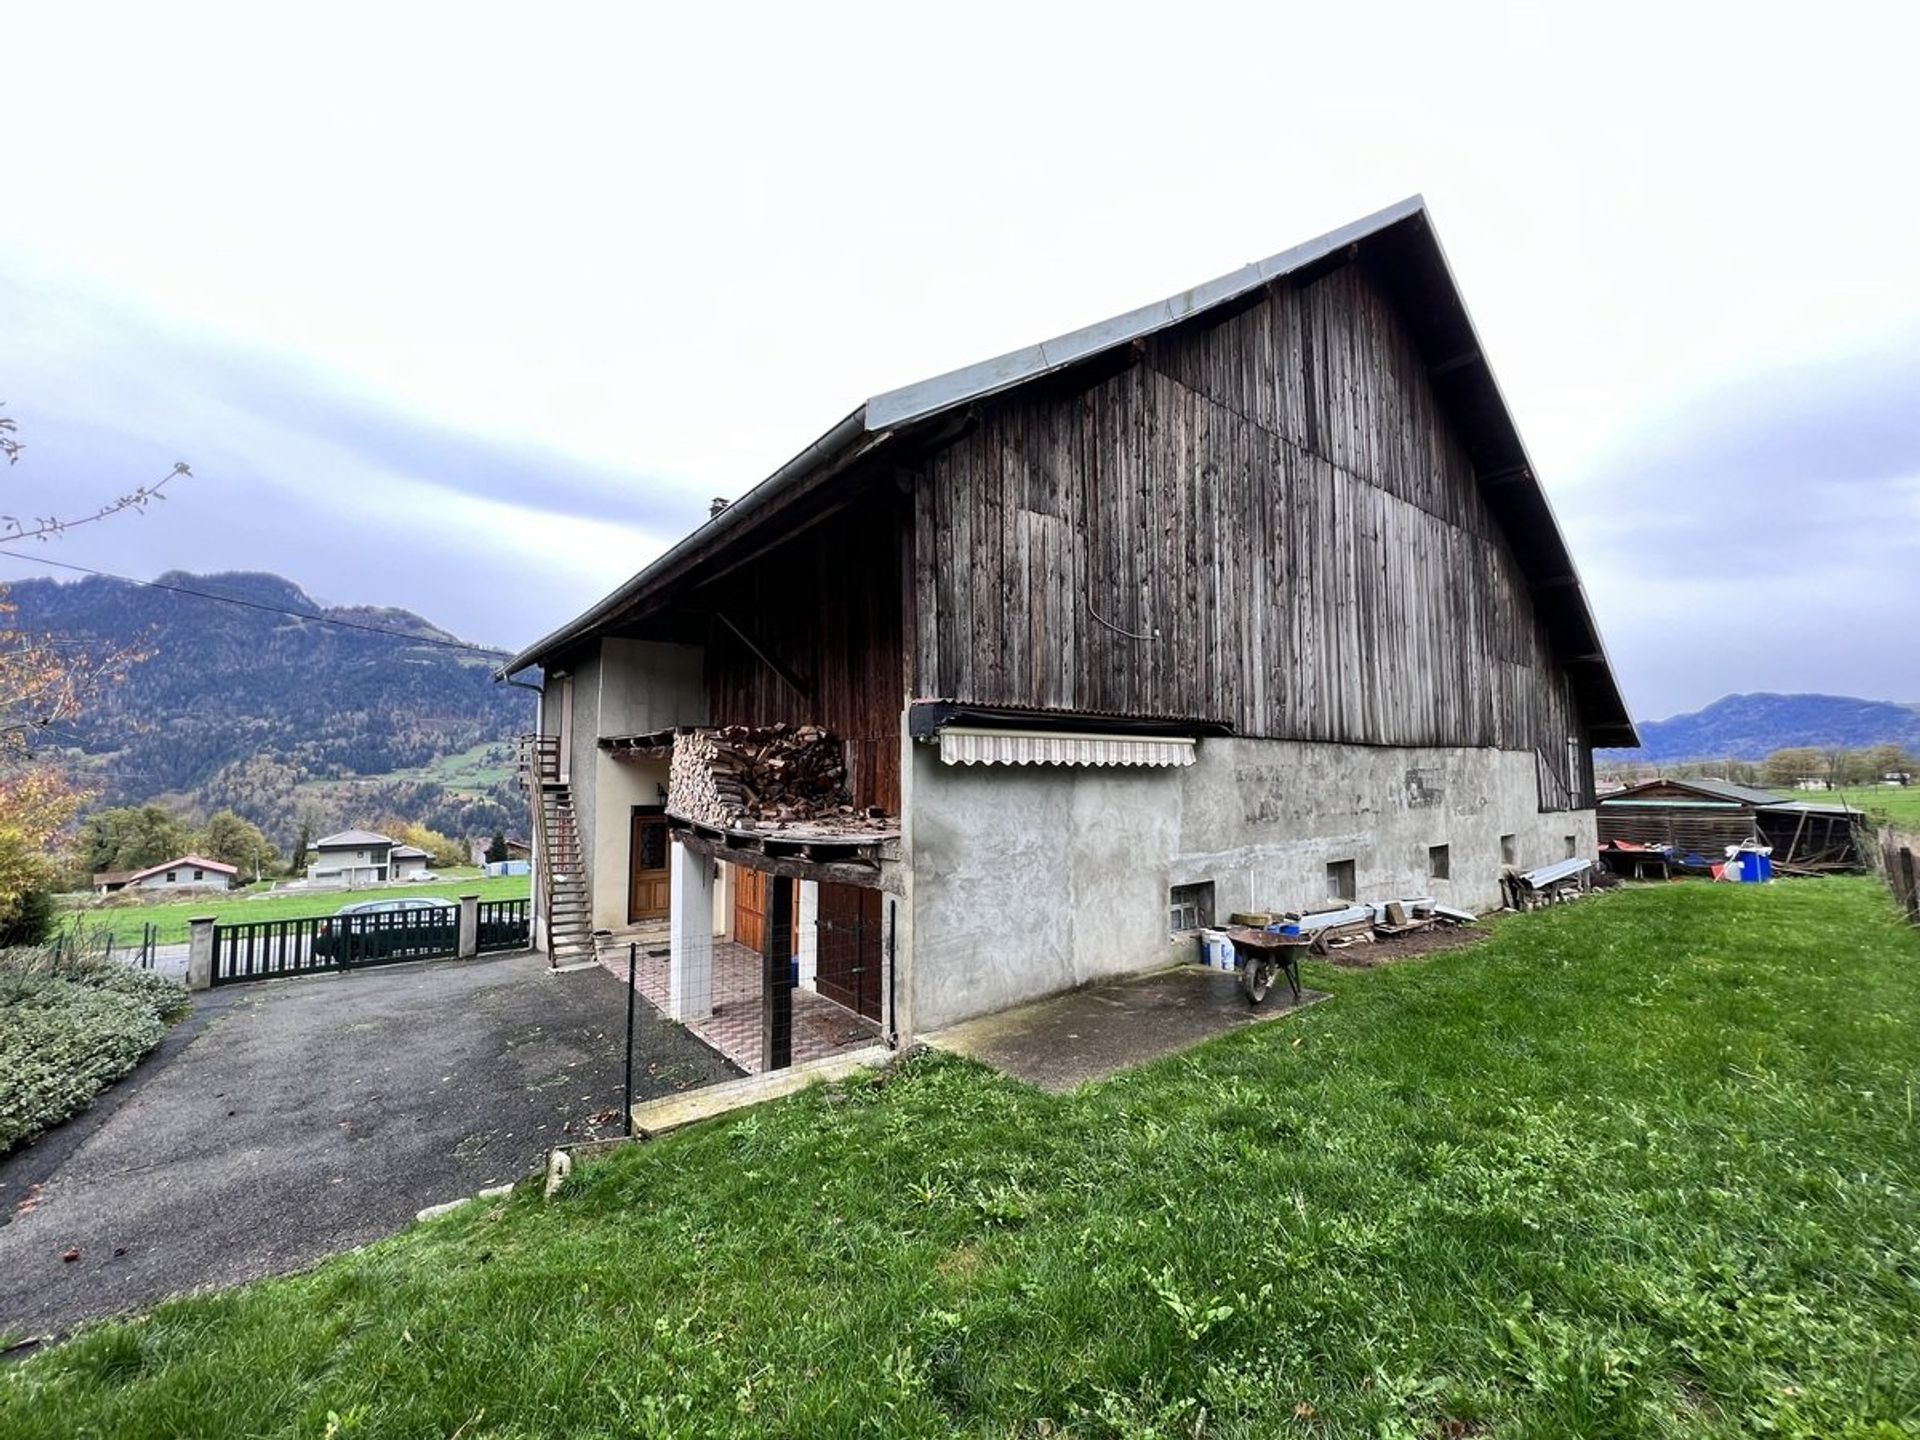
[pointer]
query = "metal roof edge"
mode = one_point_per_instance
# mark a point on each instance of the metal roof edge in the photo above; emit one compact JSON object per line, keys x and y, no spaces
{"x":987,"y":377}
{"x":1578,"y":588}
{"x":835,"y":441}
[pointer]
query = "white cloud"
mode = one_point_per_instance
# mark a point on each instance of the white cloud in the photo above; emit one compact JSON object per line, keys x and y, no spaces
{"x":677,"y":245}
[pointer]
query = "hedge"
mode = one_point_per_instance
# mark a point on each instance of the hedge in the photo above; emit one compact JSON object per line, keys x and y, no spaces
{"x":68,"y":1029}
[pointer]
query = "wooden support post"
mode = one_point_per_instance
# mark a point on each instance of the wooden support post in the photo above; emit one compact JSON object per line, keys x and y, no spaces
{"x":776,"y":977}
{"x":1909,"y":885}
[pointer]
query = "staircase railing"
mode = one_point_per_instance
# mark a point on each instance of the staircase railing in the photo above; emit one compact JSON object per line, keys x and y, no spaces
{"x":539,"y":757}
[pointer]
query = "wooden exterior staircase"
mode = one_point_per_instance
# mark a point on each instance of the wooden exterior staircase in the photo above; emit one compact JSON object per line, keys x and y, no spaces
{"x":562,"y":874}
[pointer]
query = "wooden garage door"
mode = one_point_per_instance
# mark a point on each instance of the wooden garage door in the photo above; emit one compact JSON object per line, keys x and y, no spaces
{"x":750,"y":908}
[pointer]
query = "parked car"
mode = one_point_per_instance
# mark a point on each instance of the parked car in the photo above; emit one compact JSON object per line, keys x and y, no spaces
{"x":371,"y":931}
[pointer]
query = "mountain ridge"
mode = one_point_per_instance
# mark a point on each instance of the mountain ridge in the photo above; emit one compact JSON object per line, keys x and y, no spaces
{"x":1751,"y":726}
{"x":274,"y":713}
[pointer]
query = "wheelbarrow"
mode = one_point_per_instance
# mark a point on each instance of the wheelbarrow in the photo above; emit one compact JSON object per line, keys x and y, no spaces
{"x":1262,"y":955}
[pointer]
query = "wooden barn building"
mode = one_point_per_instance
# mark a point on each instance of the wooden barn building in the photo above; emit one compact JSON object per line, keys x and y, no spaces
{"x":1243,"y":600}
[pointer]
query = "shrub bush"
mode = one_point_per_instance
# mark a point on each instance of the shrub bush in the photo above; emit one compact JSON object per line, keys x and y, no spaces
{"x":69,"y":1027}
{"x":32,"y":922}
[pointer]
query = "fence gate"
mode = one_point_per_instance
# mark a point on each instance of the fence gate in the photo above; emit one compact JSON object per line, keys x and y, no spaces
{"x":274,"y":949}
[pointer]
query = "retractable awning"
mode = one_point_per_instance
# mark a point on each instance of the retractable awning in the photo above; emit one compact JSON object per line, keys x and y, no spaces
{"x":975,"y":745}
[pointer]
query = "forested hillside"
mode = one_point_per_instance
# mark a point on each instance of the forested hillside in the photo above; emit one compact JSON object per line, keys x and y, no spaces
{"x":270,"y":713}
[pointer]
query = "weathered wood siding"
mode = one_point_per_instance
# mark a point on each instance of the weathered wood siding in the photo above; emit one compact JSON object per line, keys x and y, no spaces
{"x":826,"y":605}
{"x":1267,"y":523}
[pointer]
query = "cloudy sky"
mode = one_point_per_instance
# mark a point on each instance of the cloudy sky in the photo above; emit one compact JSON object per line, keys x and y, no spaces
{"x":471,"y":309}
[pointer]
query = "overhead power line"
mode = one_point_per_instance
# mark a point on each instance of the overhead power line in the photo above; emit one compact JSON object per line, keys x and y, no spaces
{"x":258,"y":605}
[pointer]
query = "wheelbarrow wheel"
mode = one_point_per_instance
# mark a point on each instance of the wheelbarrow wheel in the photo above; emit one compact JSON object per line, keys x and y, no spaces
{"x":1256,"y":978}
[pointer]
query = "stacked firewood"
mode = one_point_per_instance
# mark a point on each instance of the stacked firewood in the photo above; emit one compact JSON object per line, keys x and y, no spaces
{"x":761,"y":776}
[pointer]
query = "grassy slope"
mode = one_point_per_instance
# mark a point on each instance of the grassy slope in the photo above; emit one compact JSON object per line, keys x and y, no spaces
{"x":1641,"y":1166}
{"x":469,"y":772}
{"x":1900,"y":805}
{"x":172,"y":917}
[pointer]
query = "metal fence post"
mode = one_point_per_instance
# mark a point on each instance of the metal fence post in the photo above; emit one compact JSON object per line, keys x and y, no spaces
{"x":200,"y":952}
{"x":776,"y":976}
{"x":633,"y":966}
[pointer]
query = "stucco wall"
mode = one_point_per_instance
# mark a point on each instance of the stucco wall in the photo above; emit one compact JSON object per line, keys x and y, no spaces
{"x":629,"y":687}
{"x":1031,"y":879}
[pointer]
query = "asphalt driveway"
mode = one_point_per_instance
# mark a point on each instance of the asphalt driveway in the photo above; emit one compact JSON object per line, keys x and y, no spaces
{"x":286,"y":1121}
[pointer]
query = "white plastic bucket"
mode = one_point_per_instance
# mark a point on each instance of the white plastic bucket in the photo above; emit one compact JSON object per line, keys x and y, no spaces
{"x":1216,"y":949}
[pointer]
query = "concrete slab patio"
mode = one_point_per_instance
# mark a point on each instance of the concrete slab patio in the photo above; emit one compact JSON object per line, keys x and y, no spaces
{"x":289,"y":1120}
{"x":1100,"y":1029}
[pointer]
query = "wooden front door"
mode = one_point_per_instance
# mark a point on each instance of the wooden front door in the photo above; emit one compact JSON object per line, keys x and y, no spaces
{"x":648,"y":887}
{"x":750,"y":909}
{"x":850,"y":948}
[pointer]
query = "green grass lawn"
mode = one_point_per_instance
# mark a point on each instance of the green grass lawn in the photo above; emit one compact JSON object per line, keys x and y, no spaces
{"x":1646,"y":1165}
{"x":172,"y":917}
{"x":1901,"y":805}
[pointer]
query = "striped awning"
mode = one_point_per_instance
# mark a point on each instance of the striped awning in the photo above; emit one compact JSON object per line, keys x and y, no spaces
{"x":968,"y":745}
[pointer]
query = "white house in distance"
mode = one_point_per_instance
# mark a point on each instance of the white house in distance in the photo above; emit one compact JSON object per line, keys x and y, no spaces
{"x":188,"y":872}
{"x":360,"y":857}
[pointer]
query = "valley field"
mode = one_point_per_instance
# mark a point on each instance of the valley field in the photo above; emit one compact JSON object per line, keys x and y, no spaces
{"x":126,"y":922}
{"x":1900,"y":805}
{"x":1641,"y":1166}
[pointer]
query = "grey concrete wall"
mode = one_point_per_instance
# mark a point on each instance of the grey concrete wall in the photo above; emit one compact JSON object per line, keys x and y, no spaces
{"x":1031,"y":879}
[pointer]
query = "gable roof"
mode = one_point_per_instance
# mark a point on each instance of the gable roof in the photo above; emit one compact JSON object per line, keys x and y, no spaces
{"x":409,"y":852}
{"x":1722,"y":790}
{"x":1401,"y":242}
{"x":196,"y":862}
{"x":349,"y":839}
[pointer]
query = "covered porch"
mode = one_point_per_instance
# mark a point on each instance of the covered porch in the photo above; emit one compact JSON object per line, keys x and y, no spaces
{"x":771,"y":959}
{"x":734,"y":1025}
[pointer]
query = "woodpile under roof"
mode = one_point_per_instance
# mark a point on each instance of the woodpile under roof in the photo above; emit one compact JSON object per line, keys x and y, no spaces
{"x":765,"y":777}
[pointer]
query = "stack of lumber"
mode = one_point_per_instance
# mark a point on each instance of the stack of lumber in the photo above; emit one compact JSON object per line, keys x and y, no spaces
{"x":763,"y":777}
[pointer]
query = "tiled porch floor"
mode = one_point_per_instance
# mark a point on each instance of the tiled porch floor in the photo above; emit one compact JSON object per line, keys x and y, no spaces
{"x":820,"y":1027}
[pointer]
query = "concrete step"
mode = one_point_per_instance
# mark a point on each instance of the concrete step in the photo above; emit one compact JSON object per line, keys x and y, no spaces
{"x":656,"y":1117}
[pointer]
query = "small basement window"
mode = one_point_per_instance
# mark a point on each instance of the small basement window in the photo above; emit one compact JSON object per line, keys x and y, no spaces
{"x":1439,"y":862}
{"x":1190,"y":907}
{"x":1573,"y":846}
{"x":1340,"y":880}
{"x":1509,"y":849}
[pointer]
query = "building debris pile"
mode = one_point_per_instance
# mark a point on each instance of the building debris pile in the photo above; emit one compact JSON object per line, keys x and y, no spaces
{"x":765,"y":777}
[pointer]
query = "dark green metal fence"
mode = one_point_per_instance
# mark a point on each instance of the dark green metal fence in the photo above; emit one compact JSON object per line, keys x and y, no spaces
{"x":272,"y":949}
{"x":505,"y":925}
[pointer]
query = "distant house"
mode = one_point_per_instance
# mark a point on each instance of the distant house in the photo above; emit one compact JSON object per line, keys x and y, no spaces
{"x":188,"y":872}
{"x":354,"y":857}
{"x":409,"y":862}
{"x":516,"y":850}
